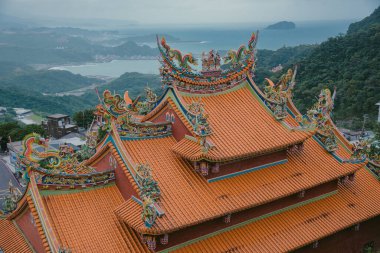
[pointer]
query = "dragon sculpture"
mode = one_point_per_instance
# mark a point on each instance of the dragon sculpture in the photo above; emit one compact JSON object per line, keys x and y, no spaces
{"x":235,"y":58}
{"x":184,"y":62}
{"x":319,"y":116}
{"x":149,"y":193}
{"x":360,"y":149}
{"x":114,"y":103}
{"x":366,"y":149}
{"x":277,"y":95}
{"x":199,"y":119}
{"x":146,"y":106}
{"x":63,"y":160}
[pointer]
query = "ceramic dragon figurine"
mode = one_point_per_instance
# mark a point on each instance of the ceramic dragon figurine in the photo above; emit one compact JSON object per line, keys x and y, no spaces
{"x":236,"y":57}
{"x":319,"y":116}
{"x":63,"y":160}
{"x":149,"y":193}
{"x":184,"y":62}
{"x":32,"y":155}
{"x":277,"y":95}
{"x":114,"y":103}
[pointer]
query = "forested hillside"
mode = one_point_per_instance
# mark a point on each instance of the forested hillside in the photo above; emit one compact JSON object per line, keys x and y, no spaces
{"x":350,"y":62}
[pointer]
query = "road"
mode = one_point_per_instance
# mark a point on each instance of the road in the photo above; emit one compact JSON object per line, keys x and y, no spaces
{"x":5,"y":176}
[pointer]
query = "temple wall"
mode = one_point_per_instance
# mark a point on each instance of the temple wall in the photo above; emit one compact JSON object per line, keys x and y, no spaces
{"x":108,"y":162}
{"x":349,"y":240}
{"x":240,"y":166}
{"x":205,"y":228}
{"x":179,"y":129}
{"x":27,"y":225}
{"x":103,"y":164}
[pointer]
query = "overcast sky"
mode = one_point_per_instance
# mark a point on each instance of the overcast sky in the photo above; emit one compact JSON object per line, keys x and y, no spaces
{"x":192,"y":11}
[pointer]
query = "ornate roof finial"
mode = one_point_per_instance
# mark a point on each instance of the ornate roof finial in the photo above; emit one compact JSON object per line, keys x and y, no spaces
{"x":149,"y":193}
{"x":198,"y":118}
{"x":319,"y":115}
{"x":64,"y":160}
{"x":360,"y":149}
{"x":115,"y":104}
{"x":277,"y":95}
{"x":10,"y":199}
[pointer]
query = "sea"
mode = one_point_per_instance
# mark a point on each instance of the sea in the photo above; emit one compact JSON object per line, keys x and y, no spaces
{"x":198,"y":39}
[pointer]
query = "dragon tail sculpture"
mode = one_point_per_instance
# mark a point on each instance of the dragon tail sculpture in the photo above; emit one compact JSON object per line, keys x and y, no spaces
{"x":253,"y":41}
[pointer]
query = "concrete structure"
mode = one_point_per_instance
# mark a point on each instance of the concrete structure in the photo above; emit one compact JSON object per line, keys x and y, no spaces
{"x":378,"y":118}
{"x":58,"y":125}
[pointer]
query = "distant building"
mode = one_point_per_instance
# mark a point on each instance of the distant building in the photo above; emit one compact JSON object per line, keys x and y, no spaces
{"x":276,"y":69}
{"x":22,"y":111}
{"x":58,"y":125}
{"x":3,"y":110}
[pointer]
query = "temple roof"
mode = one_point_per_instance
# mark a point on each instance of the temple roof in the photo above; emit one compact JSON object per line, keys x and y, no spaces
{"x":234,"y":121}
{"x":355,"y":202}
{"x":84,"y":221}
{"x":188,"y":199}
{"x":11,"y":238}
{"x":241,"y":127}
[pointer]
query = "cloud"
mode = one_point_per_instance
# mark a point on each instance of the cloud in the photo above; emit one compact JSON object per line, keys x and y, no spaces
{"x":192,"y":11}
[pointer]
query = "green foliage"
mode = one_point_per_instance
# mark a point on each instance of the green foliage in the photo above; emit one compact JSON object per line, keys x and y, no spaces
{"x":286,"y":56}
{"x":46,"y":81}
{"x":373,"y":19}
{"x":48,"y":104}
{"x":16,"y":132}
{"x":101,"y":133}
{"x":59,"y":46}
{"x":377,"y":131}
{"x":84,"y":118}
{"x":351,"y":63}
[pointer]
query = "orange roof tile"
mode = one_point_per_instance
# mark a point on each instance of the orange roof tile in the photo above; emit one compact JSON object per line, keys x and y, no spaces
{"x":187,"y":198}
{"x":241,"y":127}
{"x":303,"y":225}
{"x":84,"y":221}
{"x":11,"y":239}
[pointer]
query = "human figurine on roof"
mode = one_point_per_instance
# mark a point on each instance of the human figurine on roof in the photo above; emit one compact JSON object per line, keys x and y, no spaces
{"x":217,"y":61}
{"x":204,"y":62}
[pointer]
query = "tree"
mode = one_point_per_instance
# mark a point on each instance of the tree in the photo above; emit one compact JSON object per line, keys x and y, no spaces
{"x":84,"y":118}
{"x":16,"y":132}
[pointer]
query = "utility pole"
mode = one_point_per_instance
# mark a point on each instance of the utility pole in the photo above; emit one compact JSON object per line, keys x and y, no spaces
{"x":365,"y":117}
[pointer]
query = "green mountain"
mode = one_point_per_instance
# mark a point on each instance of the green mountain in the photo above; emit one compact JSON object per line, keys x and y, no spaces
{"x":45,"y":104}
{"x":134,"y":83}
{"x":63,"y":45}
{"x":46,"y":81}
{"x":350,"y":62}
{"x":283,"y":25}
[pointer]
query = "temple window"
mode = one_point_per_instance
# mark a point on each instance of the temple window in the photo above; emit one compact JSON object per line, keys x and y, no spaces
{"x":165,"y":239}
{"x":227,"y":218}
{"x":357,"y":227}
{"x":301,"y":194}
{"x":151,"y":242}
{"x":172,"y":118}
{"x":204,"y":168}
{"x":167,"y":116}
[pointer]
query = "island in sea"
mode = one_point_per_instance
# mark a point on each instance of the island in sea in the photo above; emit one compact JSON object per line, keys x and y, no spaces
{"x":283,"y":25}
